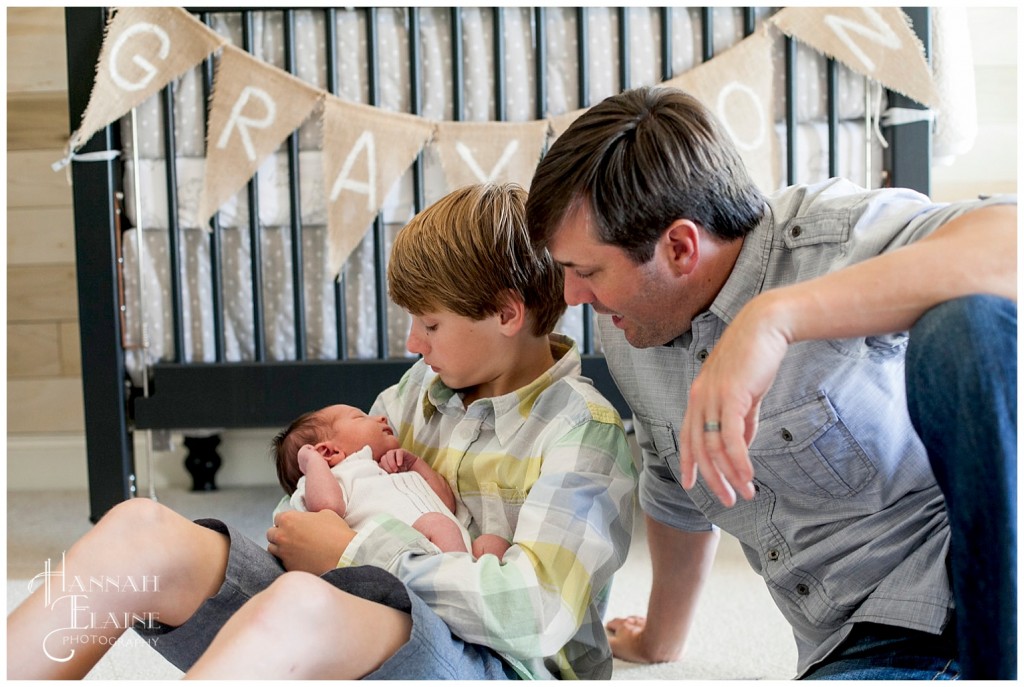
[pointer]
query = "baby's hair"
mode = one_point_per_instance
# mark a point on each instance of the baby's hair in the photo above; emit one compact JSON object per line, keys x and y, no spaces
{"x":308,"y":428}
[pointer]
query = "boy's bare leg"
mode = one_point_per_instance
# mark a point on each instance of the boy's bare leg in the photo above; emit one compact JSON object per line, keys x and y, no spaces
{"x":301,"y":627}
{"x":141,"y":561}
{"x":441,"y":531}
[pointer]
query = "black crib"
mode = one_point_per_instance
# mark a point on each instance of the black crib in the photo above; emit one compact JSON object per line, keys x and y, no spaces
{"x":268,"y":393}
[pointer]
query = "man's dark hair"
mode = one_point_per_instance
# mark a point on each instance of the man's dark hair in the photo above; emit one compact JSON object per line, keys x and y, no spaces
{"x":639,"y":161}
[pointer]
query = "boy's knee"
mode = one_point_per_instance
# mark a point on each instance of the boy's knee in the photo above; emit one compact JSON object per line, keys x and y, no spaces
{"x":296,"y":594}
{"x":135,"y":518}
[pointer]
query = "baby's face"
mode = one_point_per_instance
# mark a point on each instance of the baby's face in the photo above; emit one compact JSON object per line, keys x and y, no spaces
{"x":354,"y":429}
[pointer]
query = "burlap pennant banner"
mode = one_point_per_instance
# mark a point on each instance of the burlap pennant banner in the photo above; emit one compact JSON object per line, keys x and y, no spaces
{"x":559,"y":123}
{"x":490,"y":152}
{"x":254,"y":107}
{"x":877,"y":42}
{"x":737,"y":86}
{"x":144,"y":49}
{"x":366,"y":151}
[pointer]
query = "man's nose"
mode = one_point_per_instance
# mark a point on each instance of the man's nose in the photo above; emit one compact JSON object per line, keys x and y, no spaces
{"x":575,"y":290}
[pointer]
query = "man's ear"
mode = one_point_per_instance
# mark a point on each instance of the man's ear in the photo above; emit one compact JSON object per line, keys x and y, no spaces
{"x":512,"y":313}
{"x":681,"y":242}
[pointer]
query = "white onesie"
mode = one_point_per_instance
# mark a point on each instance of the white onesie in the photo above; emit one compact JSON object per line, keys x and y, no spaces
{"x":369,"y":490}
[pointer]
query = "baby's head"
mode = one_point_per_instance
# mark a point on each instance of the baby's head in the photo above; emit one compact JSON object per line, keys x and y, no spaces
{"x":341,"y":428}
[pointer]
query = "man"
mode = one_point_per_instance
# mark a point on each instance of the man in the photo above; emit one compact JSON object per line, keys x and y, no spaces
{"x":767,"y":336}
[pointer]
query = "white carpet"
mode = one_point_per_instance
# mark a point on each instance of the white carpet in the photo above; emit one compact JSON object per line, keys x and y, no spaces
{"x":738,"y":632}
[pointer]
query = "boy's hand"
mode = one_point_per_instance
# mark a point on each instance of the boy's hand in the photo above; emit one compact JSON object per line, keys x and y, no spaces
{"x":397,"y":460}
{"x":312,"y":542}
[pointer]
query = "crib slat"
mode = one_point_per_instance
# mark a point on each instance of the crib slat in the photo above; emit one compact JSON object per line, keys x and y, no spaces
{"x":583,"y":48}
{"x":455,"y":15}
{"x":624,"y":52}
{"x":540,"y":46}
{"x":331,"y":58}
{"x":416,"y":103}
{"x":832,"y":86}
{"x":255,"y":238}
{"x":666,"y":43}
{"x":499,"y":64}
{"x":295,"y":203}
{"x":173,"y":230}
{"x":707,"y":32}
{"x":216,"y":243}
{"x":379,"y":246}
{"x":791,"y":113}
{"x":749,"y":20}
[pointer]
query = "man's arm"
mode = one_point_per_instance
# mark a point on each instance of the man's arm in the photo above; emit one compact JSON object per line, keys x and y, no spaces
{"x":972,"y":253}
{"x":681,"y":562}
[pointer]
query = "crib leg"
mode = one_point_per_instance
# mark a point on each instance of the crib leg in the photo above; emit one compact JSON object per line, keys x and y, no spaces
{"x":202,"y":461}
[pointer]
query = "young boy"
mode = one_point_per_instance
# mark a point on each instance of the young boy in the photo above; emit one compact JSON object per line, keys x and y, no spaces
{"x":351,"y":463}
{"x":497,"y":406}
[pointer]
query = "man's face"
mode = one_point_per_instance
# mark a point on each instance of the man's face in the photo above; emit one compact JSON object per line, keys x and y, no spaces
{"x":645,"y":301}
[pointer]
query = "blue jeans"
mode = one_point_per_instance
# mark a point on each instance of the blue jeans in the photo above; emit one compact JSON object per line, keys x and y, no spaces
{"x":962,"y":396}
{"x":883,"y":652}
{"x":961,"y":371}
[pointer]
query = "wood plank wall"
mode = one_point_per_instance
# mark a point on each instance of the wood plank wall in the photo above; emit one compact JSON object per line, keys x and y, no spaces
{"x":44,"y":394}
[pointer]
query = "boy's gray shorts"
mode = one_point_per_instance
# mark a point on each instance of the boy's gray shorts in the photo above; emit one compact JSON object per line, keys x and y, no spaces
{"x":432,"y":652}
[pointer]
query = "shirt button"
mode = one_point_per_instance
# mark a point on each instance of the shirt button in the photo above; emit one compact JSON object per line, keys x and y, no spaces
{"x":773,"y":554}
{"x":702,"y":355}
{"x":786,"y":435}
{"x":802,"y":589}
{"x":796,"y":231}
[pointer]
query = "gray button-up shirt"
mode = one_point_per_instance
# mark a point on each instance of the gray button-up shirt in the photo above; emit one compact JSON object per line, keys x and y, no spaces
{"x":847,"y":523}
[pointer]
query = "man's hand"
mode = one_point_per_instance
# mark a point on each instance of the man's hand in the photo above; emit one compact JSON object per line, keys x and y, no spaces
{"x":397,"y":460}
{"x":727,"y":394}
{"x":312,"y":542}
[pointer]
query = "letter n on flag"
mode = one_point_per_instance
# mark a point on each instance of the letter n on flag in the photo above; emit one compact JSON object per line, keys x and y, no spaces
{"x":254,"y":107}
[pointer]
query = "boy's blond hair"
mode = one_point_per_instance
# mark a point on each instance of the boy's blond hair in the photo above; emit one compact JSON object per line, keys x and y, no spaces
{"x":468,"y":253}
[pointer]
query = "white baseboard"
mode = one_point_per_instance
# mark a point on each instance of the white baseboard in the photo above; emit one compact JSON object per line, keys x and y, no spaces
{"x":58,"y":461}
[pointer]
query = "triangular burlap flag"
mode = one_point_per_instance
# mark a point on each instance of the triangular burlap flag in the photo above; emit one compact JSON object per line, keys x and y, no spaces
{"x":144,"y":49}
{"x":559,"y":123}
{"x":366,"y":151}
{"x":877,"y":42}
{"x":490,"y":152}
{"x":737,"y":86}
{"x":254,"y":107}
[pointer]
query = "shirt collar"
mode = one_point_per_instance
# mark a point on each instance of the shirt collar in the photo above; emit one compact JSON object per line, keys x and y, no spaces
{"x":748,"y":274}
{"x":508,"y":412}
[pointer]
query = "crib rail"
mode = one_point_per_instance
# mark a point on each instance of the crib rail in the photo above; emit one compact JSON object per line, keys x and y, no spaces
{"x":265,"y":393}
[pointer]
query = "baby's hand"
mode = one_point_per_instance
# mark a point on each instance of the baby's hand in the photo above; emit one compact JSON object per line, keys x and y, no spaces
{"x":307,"y":454}
{"x":397,"y":460}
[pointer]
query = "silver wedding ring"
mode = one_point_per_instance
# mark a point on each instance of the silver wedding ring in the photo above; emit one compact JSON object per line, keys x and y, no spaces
{"x":712,"y":426}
